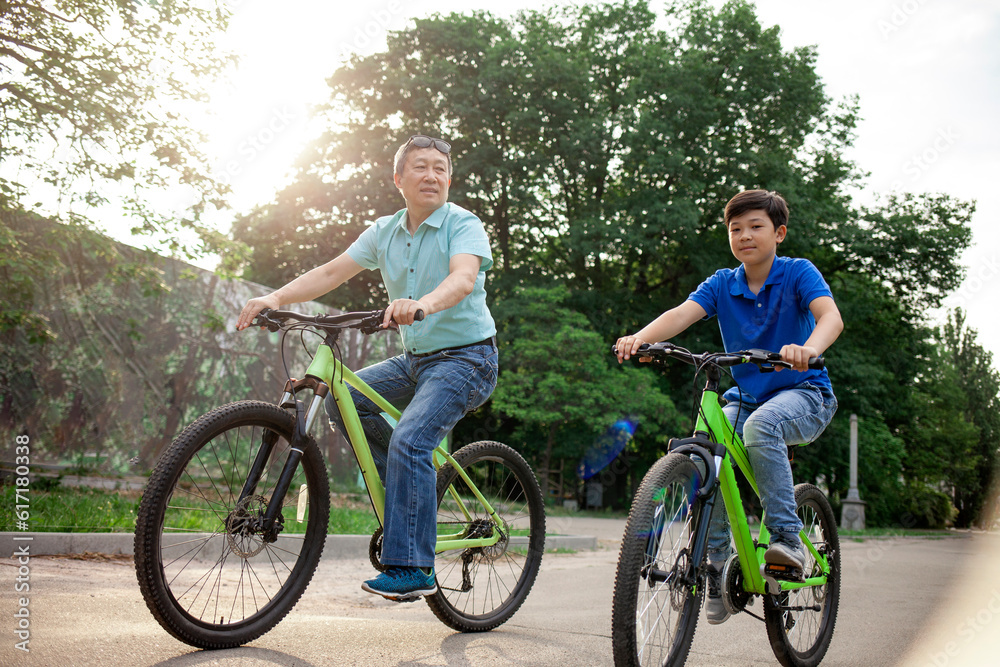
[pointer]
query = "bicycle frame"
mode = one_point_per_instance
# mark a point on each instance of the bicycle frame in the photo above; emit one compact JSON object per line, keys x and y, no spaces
{"x":712,"y":420}
{"x":327,"y":374}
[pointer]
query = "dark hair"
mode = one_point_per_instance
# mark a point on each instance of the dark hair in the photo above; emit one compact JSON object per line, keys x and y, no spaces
{"x":399,"y":161}
{"x":765,"y":200}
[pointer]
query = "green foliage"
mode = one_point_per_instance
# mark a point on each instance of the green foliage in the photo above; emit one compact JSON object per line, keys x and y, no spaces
{"x":975,"y":403}
{"x":558,"y":383}
{"x":94,"y":94}
{"x":926,"y":507}
{"x":599,"y":144}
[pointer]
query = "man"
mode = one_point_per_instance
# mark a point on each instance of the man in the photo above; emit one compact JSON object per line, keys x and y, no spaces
{"x":432,"y":256}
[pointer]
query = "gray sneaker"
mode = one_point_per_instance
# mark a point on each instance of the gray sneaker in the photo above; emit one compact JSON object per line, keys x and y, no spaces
{"x":715,"y":608}
{"x":786,"y":555}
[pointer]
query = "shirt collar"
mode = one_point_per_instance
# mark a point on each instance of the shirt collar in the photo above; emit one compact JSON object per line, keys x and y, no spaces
{"x":739,"y":287}
{"x":435,"y":219}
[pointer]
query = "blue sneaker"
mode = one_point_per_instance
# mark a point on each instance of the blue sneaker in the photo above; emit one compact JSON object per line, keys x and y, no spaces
{"x":402,"y":584}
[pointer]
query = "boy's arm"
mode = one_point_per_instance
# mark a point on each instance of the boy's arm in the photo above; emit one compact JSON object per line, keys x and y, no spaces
{"x":828,"y":327}
{"x":666,"y":326}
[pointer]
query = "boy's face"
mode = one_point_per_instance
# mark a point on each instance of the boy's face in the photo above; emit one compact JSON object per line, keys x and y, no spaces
{"x":753,"y":238}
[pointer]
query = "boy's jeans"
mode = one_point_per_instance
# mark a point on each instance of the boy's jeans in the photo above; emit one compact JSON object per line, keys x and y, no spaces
{"x":437,"y":391}
{"x":794,"y":416}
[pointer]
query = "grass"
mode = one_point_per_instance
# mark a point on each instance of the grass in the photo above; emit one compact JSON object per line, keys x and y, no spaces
{"x":877,"y":533}
{"x":560,"y":511}
{"x":77,"y":510}
{"x":62,"y":509}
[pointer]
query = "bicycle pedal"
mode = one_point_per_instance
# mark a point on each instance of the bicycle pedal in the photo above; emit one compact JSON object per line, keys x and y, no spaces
{"x":783,"y":572}
{"x":412,"y":598}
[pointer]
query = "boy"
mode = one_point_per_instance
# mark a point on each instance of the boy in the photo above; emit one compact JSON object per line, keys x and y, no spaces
{"x":770,"y":303}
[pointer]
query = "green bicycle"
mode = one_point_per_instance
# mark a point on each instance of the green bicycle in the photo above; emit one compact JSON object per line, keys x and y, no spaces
{"x":234,"y":518}
{"x":662,"y":566}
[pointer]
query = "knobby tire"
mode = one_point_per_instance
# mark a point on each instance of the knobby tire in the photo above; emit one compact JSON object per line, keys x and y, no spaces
{"x":481,"y":588}
{"x":208,"y":578}
{"x":653,"y":618}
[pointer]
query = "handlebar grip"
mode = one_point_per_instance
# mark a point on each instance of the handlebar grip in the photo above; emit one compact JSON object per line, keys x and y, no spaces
{"x":419,"y":315}
{"x":817,"y":363}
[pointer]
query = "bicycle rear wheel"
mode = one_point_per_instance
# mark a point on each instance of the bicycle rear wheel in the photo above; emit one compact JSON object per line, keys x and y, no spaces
{"x":480,"y":588}
{"x":658,"y":593}
{"x":800,"y":622}
{"x":204,"y":568}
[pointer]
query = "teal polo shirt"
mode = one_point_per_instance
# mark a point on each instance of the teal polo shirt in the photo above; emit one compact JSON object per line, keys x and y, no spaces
{"x":413,"y":266}
{"x":776,"y":316}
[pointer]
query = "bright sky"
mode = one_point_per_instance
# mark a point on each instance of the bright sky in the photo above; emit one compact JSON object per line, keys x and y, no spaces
{"x":927,"y":73}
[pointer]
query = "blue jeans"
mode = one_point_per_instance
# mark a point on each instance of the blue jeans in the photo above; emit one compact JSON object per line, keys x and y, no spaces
{"x":794,"y":416}
{"x":436,"y":391}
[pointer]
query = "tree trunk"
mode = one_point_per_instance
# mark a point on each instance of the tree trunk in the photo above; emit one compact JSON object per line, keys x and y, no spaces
{"x":546,"y":463}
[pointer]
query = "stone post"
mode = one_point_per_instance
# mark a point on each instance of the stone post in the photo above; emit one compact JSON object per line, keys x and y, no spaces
{"x":853,"y":512}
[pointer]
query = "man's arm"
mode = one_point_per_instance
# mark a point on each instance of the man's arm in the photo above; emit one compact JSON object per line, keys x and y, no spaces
{"x":829,"y":324}
{"x":308,"y":286}
{"x":462,"y":272}
{"x":664,"y":327}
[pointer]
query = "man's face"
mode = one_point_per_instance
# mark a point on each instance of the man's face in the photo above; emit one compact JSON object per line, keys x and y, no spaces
{"x":753,"y":238}
{"x":424,"y":181}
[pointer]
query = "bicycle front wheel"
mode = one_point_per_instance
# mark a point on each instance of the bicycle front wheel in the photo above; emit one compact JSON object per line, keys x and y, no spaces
{"x":658,"y":594}
{"x":800,"y":622}
{"x":479,"y":588}
{"x":205,"y":568}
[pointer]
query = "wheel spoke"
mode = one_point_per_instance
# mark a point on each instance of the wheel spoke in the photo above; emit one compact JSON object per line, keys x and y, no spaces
{"x":653,"y":617}
{"x":221,"y":573}
{"x":481,"y":587}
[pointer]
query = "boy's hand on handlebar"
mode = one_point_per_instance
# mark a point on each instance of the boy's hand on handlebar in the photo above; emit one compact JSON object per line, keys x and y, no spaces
{"x":253,"y":307}
{"x":798,"y":356}
{"x":404,"y":311}
{"x":627,"y":346}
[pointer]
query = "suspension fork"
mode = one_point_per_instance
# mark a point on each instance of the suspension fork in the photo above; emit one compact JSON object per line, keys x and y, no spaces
{"x":303,"y":423}
{"x":710,"y":455}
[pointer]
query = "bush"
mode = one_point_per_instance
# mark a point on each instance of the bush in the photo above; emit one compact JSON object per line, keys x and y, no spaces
{"x":927,"y":507}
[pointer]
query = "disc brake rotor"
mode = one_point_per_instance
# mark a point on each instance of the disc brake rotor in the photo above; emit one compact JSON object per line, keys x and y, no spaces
{"x":243,"y":527}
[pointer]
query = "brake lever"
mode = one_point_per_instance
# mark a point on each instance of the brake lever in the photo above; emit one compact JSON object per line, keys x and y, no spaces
{"x":262,"y":320}
{"x":372,"y":324}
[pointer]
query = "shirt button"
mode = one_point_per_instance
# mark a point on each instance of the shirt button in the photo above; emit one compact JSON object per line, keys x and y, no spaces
{"x":760,"y":305}
{"x":411,"y":270}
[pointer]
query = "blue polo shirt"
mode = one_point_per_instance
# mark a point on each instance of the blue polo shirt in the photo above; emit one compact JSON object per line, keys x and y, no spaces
{"x":776,"y":316}
{"x":413,"y":266}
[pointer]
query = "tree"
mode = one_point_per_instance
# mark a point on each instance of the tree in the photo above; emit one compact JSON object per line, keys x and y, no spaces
{"x":978,"y":407}
{"x":92,"y":101}
{"x":558,"y":381}
{"x":599,"y":148}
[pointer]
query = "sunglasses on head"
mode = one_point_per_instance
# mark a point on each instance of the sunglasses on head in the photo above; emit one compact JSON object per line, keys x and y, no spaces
{"x":423,"y":141}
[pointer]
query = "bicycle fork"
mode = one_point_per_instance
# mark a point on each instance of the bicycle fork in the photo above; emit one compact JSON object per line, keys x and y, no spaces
{"x":270,"y":524}
{"x":703,"y":498}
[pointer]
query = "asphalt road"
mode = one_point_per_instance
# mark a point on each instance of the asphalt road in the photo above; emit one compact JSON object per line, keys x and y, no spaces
{"x":907,"y":602}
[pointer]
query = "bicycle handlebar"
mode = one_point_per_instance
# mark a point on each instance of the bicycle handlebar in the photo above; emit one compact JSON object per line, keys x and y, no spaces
{"x":367,"y":321}
{"x":766,"y":361}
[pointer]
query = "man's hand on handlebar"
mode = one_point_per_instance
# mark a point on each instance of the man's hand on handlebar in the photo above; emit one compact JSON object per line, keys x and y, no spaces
{"x":404,"y":311}
{"x":253,"y":307}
